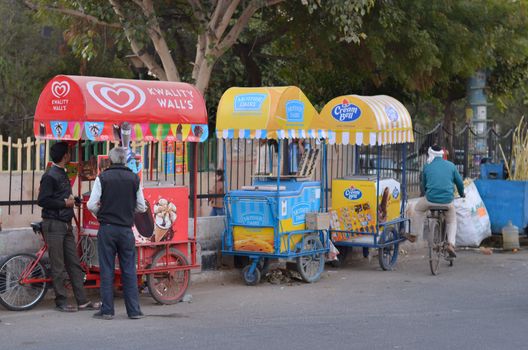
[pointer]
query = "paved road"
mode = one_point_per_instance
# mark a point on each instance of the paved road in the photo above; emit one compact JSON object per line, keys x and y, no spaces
{"x":480,"y":303}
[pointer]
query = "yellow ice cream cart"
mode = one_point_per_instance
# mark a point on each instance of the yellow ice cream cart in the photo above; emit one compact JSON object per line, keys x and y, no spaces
{"x":368,"y":210}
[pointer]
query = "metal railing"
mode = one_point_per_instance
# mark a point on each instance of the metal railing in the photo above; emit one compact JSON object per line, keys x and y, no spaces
{"x":22,"y":162}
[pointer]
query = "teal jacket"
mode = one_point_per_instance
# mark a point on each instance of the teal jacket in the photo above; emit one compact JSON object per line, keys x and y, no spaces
{"x":438,"y":178}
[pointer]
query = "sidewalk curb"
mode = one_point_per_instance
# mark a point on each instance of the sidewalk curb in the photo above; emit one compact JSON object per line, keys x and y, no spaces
{"x":215,"y":276}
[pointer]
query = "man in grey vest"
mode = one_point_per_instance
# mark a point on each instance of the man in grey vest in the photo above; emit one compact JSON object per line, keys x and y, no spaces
{"x":115,"y":197}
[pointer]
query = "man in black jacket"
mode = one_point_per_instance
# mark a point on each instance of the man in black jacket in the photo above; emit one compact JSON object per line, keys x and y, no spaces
{"x":115,"y":196}
{"x":56,"y":199}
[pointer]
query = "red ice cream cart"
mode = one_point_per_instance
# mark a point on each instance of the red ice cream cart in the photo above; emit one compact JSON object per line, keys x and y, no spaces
{"x":78,"y":108}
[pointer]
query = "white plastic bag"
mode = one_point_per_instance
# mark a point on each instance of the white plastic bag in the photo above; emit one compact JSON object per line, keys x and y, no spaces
{"x":473,"y":223}
{"x":333,"y":252}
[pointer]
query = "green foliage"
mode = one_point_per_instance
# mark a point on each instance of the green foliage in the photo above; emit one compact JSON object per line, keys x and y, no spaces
{"x":31,"y":53}
{"x":345,"y":14}
{"x":419,"y":51}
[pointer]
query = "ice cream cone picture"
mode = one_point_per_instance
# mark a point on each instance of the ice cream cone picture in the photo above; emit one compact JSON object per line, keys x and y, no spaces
{"x":164,"y":217}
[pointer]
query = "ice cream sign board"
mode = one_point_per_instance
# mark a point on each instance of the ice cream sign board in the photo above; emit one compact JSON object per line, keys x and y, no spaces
{"x":59,"y":90}
{"x":295,"y":111}
{"x":253,"y":219}
{"x":299,"y":213}
{"x":352,"y":193}
{"x":123,"y":97}
{"x":251,"y":103}
{"x":346,"y":112}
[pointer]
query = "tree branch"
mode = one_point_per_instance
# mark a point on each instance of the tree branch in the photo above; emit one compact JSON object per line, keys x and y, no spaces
{"x":72,"y":13}
{"x":145,"y":57}
{"x":201,"y":43}
{"x":155,"y":34}
{"x":220,"y":29}
{"x":240,"y":24}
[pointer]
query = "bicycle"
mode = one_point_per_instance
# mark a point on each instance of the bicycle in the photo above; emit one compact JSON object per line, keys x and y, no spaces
{"x":25,"y":278}
{"x":438,"y":243}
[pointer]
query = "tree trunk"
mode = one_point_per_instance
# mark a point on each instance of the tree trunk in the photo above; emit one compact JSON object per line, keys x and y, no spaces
{"x":204,"y":75}
{"x":253,"y":72}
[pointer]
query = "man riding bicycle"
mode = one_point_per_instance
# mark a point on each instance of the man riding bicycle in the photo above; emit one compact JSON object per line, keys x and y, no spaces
{"x":438,"y":179}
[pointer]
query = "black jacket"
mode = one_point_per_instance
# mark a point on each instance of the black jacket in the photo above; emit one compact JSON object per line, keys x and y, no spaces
{"x":119,"y":186}
{"x":54,"y":188}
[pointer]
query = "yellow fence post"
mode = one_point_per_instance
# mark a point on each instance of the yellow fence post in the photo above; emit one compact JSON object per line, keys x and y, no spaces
{"x":46,"y":155}
{"x":1,"y":153}
{"x":29,"y":147}
{"x":37,"y":153}
{"x":160,"y":146}
{"x":9,"y":153}
{"x":19,"y":154}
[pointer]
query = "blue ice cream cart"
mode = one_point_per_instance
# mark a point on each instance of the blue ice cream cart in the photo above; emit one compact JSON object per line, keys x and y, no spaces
{"x":267,"y":220}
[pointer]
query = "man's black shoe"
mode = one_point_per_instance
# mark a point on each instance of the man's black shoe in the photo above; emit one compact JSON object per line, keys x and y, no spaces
{"x":66,"y":308}
{"x":136,"y":317}
{"x":102,"y":316}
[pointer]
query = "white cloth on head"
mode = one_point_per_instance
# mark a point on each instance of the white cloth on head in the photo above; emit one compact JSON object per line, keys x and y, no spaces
{"x":432,"y":154}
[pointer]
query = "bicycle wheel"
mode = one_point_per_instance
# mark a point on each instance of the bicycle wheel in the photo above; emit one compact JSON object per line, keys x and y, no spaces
{"x":168,"y":287}
{"x":445,"y":253}
{"x":435,"y":245}
{"x":388,"y":255}
{"x":15,"y":296}
{"x":311,"y":266}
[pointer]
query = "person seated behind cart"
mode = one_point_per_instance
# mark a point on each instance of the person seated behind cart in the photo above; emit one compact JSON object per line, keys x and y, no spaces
{"x":56,"y":199}
{"x":115,"y":196}
{"x":438,"y":179}
{"x":296,"y":150}
{"x":217,"y":203}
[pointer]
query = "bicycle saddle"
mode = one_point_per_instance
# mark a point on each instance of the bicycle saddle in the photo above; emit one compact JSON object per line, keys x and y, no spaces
{"x":438,"y":208}
{"x":36,"y":226}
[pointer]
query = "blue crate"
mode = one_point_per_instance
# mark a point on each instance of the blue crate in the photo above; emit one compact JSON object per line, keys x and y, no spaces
{"x":505,"y":200}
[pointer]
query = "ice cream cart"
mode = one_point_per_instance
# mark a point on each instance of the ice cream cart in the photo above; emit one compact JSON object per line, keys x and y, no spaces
{"x":267,"y":220}
{"x":76,"y":109}
{"x":367,"y":210}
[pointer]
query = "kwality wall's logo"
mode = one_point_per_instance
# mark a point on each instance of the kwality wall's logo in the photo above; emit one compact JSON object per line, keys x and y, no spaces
{"x":117,"y":97}
{"x":295,"y":111}
{"x":352,"y":193}
{"x":346,"y":112}
{"x":251,"y":103}
{"x":395,"y":193}
{"x":60,"y":89}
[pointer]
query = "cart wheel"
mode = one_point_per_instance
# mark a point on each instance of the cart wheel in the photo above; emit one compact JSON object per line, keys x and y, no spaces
{"x":168,"y":287}
{"x":15,"y":296}
{"x":389,"y":254}
{"x":341,"y":257}
{"x":311,"y":266}
{"x":251,"y":279}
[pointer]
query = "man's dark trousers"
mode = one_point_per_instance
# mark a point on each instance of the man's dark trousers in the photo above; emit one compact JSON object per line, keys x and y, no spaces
{"x":112,"y":240}
{"x":62,"y":252}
